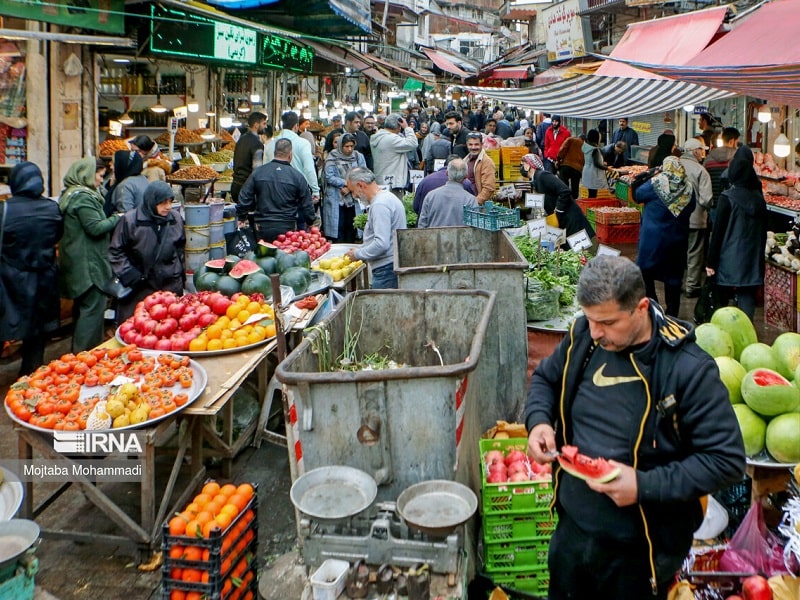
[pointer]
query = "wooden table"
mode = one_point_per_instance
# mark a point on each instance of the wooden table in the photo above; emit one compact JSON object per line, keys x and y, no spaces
{"x":192,"y":427}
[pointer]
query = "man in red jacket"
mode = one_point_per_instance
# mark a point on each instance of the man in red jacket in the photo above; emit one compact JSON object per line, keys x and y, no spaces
{"x":553,"y":138}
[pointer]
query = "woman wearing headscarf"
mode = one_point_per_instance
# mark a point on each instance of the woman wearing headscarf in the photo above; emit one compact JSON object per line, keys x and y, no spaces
{"x":147,"y":248}
{"x":593,"y":177}
{"x":665,"y":144}
{"x":664,"y":233}
{"x":31,"y":227}
{"x":530,"y":141}
{"x":736,"y":249}
{"x":339,"y":206}
{"x":557,"y":196}
{"x":83,"y":264}
{"x":129,"y":182}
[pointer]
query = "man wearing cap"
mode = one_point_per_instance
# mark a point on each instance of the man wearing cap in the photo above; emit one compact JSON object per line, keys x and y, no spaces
{"x":336,"y":122}
{"x":555,"y":135}
{"x":627,"y":135}
{"x":694,"y":151}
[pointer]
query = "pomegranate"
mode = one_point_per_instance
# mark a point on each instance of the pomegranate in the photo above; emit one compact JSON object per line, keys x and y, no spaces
{"x":756,"y":588}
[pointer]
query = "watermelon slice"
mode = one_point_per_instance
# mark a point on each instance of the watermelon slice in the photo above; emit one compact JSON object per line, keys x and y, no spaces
{"x":583,"y":467}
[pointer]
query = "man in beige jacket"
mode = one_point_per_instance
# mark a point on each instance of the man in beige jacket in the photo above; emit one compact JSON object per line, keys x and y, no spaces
{"x":480,"y":168}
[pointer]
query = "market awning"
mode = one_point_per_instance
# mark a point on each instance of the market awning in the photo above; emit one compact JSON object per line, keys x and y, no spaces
{"x":445,"y":64}
{"x":413,"y":85}
{"x":397,"y":69}
{"x":756,"y":58}
{"x":347,"y":58}
{"x":597,"y":97}
{"x":671,"y":41}
{"x":520,"y":72}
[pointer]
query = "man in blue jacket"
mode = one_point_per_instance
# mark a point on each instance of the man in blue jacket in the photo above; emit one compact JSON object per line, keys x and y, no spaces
{"x":631,"y":385}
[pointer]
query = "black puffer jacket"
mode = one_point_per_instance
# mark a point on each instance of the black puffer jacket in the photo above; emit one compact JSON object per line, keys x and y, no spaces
{"x":33,"y":226}
{"x":685,"y":444}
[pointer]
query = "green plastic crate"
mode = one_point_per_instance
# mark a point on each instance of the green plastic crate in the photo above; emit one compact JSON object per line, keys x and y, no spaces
{"x":491,"y":217}
{"x":622,"y":190}
{"x":534,"y":580}
{"x":590,"y":216}
{"x":517,"y":497}
{"x":500,"y":556}
{"x":526,"y":525}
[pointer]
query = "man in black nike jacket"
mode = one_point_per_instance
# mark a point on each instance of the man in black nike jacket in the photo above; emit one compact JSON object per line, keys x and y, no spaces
{"x":631,"y":385}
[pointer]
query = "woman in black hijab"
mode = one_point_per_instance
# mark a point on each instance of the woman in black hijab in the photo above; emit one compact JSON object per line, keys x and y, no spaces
{"x":147,"y":248}
{"x":29,"y":301}
{"x":736,"y":251}
{"x":663,"y":148}
{"x":129,"y":183}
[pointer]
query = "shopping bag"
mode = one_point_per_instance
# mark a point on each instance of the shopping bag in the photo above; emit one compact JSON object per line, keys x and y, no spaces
{"x":753,"y":548}
{"x":240,"y":242}
{"x":708,"y":301}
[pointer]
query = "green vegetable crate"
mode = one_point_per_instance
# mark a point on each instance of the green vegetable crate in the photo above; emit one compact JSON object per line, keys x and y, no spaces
{"x":517,"y":525}
{"x":491,"y":217}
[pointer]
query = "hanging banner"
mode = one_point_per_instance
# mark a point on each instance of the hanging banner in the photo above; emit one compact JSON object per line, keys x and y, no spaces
{"x":101,"y":15}
{"x":566,"y":34}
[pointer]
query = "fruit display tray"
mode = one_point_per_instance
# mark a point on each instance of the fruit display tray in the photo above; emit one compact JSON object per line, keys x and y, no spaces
{"x":204,"y":353}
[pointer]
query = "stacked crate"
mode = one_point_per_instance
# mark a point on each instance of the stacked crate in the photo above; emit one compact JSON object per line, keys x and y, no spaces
{"x":221,"y":566}
{"x":586,"y":203}
{"x":780,"y":297}
{"x":603,"y":194}
{"x":494,"y":154}
{"x":517,"y":526}
{"x":511,"y":158}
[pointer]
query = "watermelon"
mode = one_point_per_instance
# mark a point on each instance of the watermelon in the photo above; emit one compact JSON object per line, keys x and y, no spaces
{"x":243,"y":268}
{"x":297,"y":278}
{"x":284,"y":260}
{"x":268,"y":264}
{"x":230,"y":261}
{"x":202,"y":269}
{"x":731,"y":373}
{"x":207,"y":282}
{"x":769,"y":393}
{"x":301,"y":259}
{"x":265,"y":249}
{"x":228,"y":285}
{"x":583,"y":467}
{"x":753,"y":428}
{"x":257,"y":283}
{"x":786,"y":348}
{"x":783,"y":438}
{"x":738,"y":325}
{"x":758,"y":356}
{"x":217,"y":266}
{"x":714,"y":340}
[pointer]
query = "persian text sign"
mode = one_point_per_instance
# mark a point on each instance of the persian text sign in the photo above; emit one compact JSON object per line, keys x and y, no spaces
{"x":565,"y":35}
{"x":101,"y":15}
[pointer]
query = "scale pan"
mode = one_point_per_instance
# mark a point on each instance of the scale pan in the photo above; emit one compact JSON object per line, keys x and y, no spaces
{"x":332,"y":494}
{"x":437,"y":507}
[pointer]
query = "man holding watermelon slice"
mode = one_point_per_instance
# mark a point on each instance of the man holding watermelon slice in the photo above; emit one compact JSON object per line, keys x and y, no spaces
{"x":631,"y":390}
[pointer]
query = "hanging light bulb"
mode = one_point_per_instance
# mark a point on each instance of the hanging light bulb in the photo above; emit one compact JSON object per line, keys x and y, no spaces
{"x":126,"y":119}
{"x":689,"y":108}
{"x":226,"y":122}
{"x":208,"y":135}
{"x":764,"y":114}
{"x":193,"y":105}
{"x":782,"y":146}
{"x":244,"y":106}
{"x":158,"y":108}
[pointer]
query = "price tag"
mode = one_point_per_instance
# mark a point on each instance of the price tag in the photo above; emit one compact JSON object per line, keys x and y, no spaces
{"x":534,"y":200}
{"x":537,"y":228}
{"x":173,"y":125}
{"x":180,"y":112}
{"x":115,"y":128}
{"x":438,"y":164}
{"x":607,"y":250}
{"x":416,"y":177}
{"x":507,"y":192}
{"x":579,"y":240}
{"x":556,"y":235}
{"x":388,"y":180}
{"x":194,"y":157}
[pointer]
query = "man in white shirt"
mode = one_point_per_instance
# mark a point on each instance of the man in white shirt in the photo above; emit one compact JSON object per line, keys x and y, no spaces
{"x":302,"y":159}
{"x":389,"y":148}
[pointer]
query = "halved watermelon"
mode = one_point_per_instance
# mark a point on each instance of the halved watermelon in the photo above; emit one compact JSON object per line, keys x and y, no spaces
{"x":583,"y":467}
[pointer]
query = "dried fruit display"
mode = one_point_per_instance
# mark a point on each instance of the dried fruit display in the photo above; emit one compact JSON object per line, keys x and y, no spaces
{"x":193,"y":173}
{"x":182,"y":136}
{"x":109,"y":147}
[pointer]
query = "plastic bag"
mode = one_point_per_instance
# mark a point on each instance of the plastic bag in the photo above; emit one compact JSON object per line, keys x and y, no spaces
{"x":707,"y":302}
{"x":754,"y":548}
{"x":541,"y":303}
{"x":240,"y":242}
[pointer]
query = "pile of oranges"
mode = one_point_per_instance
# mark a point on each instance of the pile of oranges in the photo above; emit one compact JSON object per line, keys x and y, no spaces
{"x":210,"y":545}
{"x":229,"y":330}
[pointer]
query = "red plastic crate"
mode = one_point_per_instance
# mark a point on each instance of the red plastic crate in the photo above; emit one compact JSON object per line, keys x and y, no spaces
{"x":780,"y":283}
{"x":588,"y":203}
{"x":617,"y":234}
{"x":779,"y":313}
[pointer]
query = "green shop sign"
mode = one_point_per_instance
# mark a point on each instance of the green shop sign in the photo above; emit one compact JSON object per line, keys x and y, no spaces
{"x":184,"y":34}
{"x":102,"y":15}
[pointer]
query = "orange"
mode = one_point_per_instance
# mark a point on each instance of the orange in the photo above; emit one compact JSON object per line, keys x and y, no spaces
{"x":210,"y":527}
{"x":193,"y":575}
{"x":270,"y":330}
{"x":228,"y":490}
{"x":262,"y":331}
{"x":241,"y":341}
{"x":194,"y":507}
{"x":229,"y":509}
{"x":243,"y":301}
{"x":194,"y":596}
{"x":213,"y":332}
{"x":253,"y":338}
{"x":198,"y":344}
{"x":193,"y":553}
{"x":223,"y":520}
{"x":204,"y":517}
{"x":177,"y":595}
{"x":214,"y":506}
{"x":202,"y":499}
{"x":223,"y":321}
{"x":214,"y":345}
{"x":177,"y":551}
{"x":238,"y":501}
{"x":176,"y":573}
{"x":220,"y":497}
{"x":235,"y":323}
{"x":233,"y":310}
{"x":245,"y":490}
{"x":253,"y":307}
{"x":177,"y":526}
{"x":226,"y":334}
{"x":194,"y":529}
{"x":243,"y":315}
{"x":228,"y":343}
{"x":211,"y":488}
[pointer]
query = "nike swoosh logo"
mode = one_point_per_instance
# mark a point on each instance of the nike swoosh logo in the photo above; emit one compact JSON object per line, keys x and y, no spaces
{"x":601,"y":380}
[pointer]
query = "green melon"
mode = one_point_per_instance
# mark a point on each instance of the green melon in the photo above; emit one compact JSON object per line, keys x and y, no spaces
{"x":786,"y":348}
{"x":714,"y":340}
{"x":297,"y":278}
{"x":769,"y":393}
{"x":207,"y":282}
{"x":758,"y":356}
{"x":731,"y":373}
{"x":783,"y":438}
{"x":257,"y":283}
{"x":753,"y":429}
{"x":228,"y":285}
{"x":738,"y":325}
